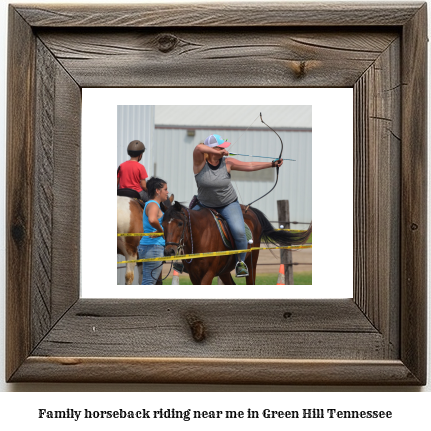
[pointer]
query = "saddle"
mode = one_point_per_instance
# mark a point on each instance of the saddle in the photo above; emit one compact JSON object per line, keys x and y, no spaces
{"x":223,"y":227}
{"x":133,"y":194}
{"x":224,"y":230}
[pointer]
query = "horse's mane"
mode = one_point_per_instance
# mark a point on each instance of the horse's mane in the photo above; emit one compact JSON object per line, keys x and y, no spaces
{"x":174,"y":211}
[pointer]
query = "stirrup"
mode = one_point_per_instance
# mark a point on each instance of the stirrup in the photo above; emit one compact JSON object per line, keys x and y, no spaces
{"x":241,"y":269}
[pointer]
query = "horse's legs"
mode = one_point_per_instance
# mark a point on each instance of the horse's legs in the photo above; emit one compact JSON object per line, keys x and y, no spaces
{"x":130,"y":270}
{"x":251,"y":262}
{"x":194,"y":279}
{"x":129,"y":250}
{"x":199,"y":279}
{"x":207,"y":278}
{"x":227,"y":278}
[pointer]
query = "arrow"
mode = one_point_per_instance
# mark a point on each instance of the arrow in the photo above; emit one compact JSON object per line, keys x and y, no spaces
{"x":264,"y":157}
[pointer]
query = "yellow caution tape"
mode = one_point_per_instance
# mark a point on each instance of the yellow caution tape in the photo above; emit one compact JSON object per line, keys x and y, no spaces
{"x":292,"y":230}
{"x":160,"y":234}
{"x":141,"y":234}
{"x":215,"y":253}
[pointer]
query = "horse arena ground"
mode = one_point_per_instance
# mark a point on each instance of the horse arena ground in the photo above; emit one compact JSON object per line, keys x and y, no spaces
{"x":269,"y":262}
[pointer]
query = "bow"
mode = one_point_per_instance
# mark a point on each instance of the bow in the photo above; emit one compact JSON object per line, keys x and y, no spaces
{"x":279,"y":157}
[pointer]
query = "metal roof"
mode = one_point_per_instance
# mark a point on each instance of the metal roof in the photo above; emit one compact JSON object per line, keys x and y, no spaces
{"x":236,"y":116}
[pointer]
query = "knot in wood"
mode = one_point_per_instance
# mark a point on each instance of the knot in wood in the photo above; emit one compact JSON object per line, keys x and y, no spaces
{"x":300,"y":69}
{"x":197,"y":327}
{"x":167,"y":42}
{"x":18,"y":233}
{"x":414,"y":226}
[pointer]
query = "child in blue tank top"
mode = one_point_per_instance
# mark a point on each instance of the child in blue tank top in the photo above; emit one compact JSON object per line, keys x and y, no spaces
{"x":153,"y":246}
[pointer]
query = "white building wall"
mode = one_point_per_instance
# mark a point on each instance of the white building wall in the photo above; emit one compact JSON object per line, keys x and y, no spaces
{"x":135,"y":122}
{"x":294,"y":116}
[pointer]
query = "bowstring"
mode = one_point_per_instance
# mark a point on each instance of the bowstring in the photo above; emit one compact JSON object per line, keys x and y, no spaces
{"x":240,"y":136}
{"x":279,"y":157}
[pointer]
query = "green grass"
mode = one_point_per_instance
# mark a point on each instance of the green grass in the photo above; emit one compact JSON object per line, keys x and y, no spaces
{"x":303,"y":278}
{"x":300,"y":278}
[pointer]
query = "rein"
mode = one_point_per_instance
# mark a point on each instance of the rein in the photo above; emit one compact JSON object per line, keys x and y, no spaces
{"x":180,"y":245}
{"x":157,"y":267}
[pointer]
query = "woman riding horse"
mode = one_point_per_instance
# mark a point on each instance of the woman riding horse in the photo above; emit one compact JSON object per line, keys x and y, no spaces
{"x":215,"y":190}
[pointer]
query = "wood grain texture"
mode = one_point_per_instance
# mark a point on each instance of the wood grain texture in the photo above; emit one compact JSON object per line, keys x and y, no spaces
{"x":67,"y":194}
{"x":268,"y":329}
{"x":212,"y":14}
{"x":56,"y":195}
{"x":19,"y":202}
{"x":379,"y":337}
{"x":43,"y":191}
{"x":377,"y":182}
{"x":414,"y":170}
{"x":215,"y":371}
{"x":197,"y":58}
{"x":43,"y":195}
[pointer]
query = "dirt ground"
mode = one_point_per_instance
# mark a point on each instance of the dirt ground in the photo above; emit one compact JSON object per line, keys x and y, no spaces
{"x":269,"y":261}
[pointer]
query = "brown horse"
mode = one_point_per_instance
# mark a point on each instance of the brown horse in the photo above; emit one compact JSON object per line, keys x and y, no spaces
{"x":192,"y":231}
{"x":129,"y":220}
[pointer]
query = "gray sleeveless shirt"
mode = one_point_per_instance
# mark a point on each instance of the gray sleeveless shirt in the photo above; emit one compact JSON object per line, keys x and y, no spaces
{"x":214,"y":186}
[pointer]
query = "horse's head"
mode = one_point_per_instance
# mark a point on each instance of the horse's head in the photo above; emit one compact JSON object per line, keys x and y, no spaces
{"x":174,"y":225}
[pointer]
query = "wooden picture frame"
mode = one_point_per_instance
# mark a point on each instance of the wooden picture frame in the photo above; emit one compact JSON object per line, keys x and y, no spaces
{"x":376,"y":338}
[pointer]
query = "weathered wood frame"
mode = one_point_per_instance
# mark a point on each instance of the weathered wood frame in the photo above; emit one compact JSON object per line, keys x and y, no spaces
{"x":378,"y":337}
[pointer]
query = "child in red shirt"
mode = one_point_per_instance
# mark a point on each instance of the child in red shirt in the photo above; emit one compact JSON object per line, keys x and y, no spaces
{"x":131,"y":174}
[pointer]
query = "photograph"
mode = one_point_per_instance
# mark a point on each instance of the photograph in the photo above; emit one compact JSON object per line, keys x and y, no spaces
{"x":212,"y":194}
